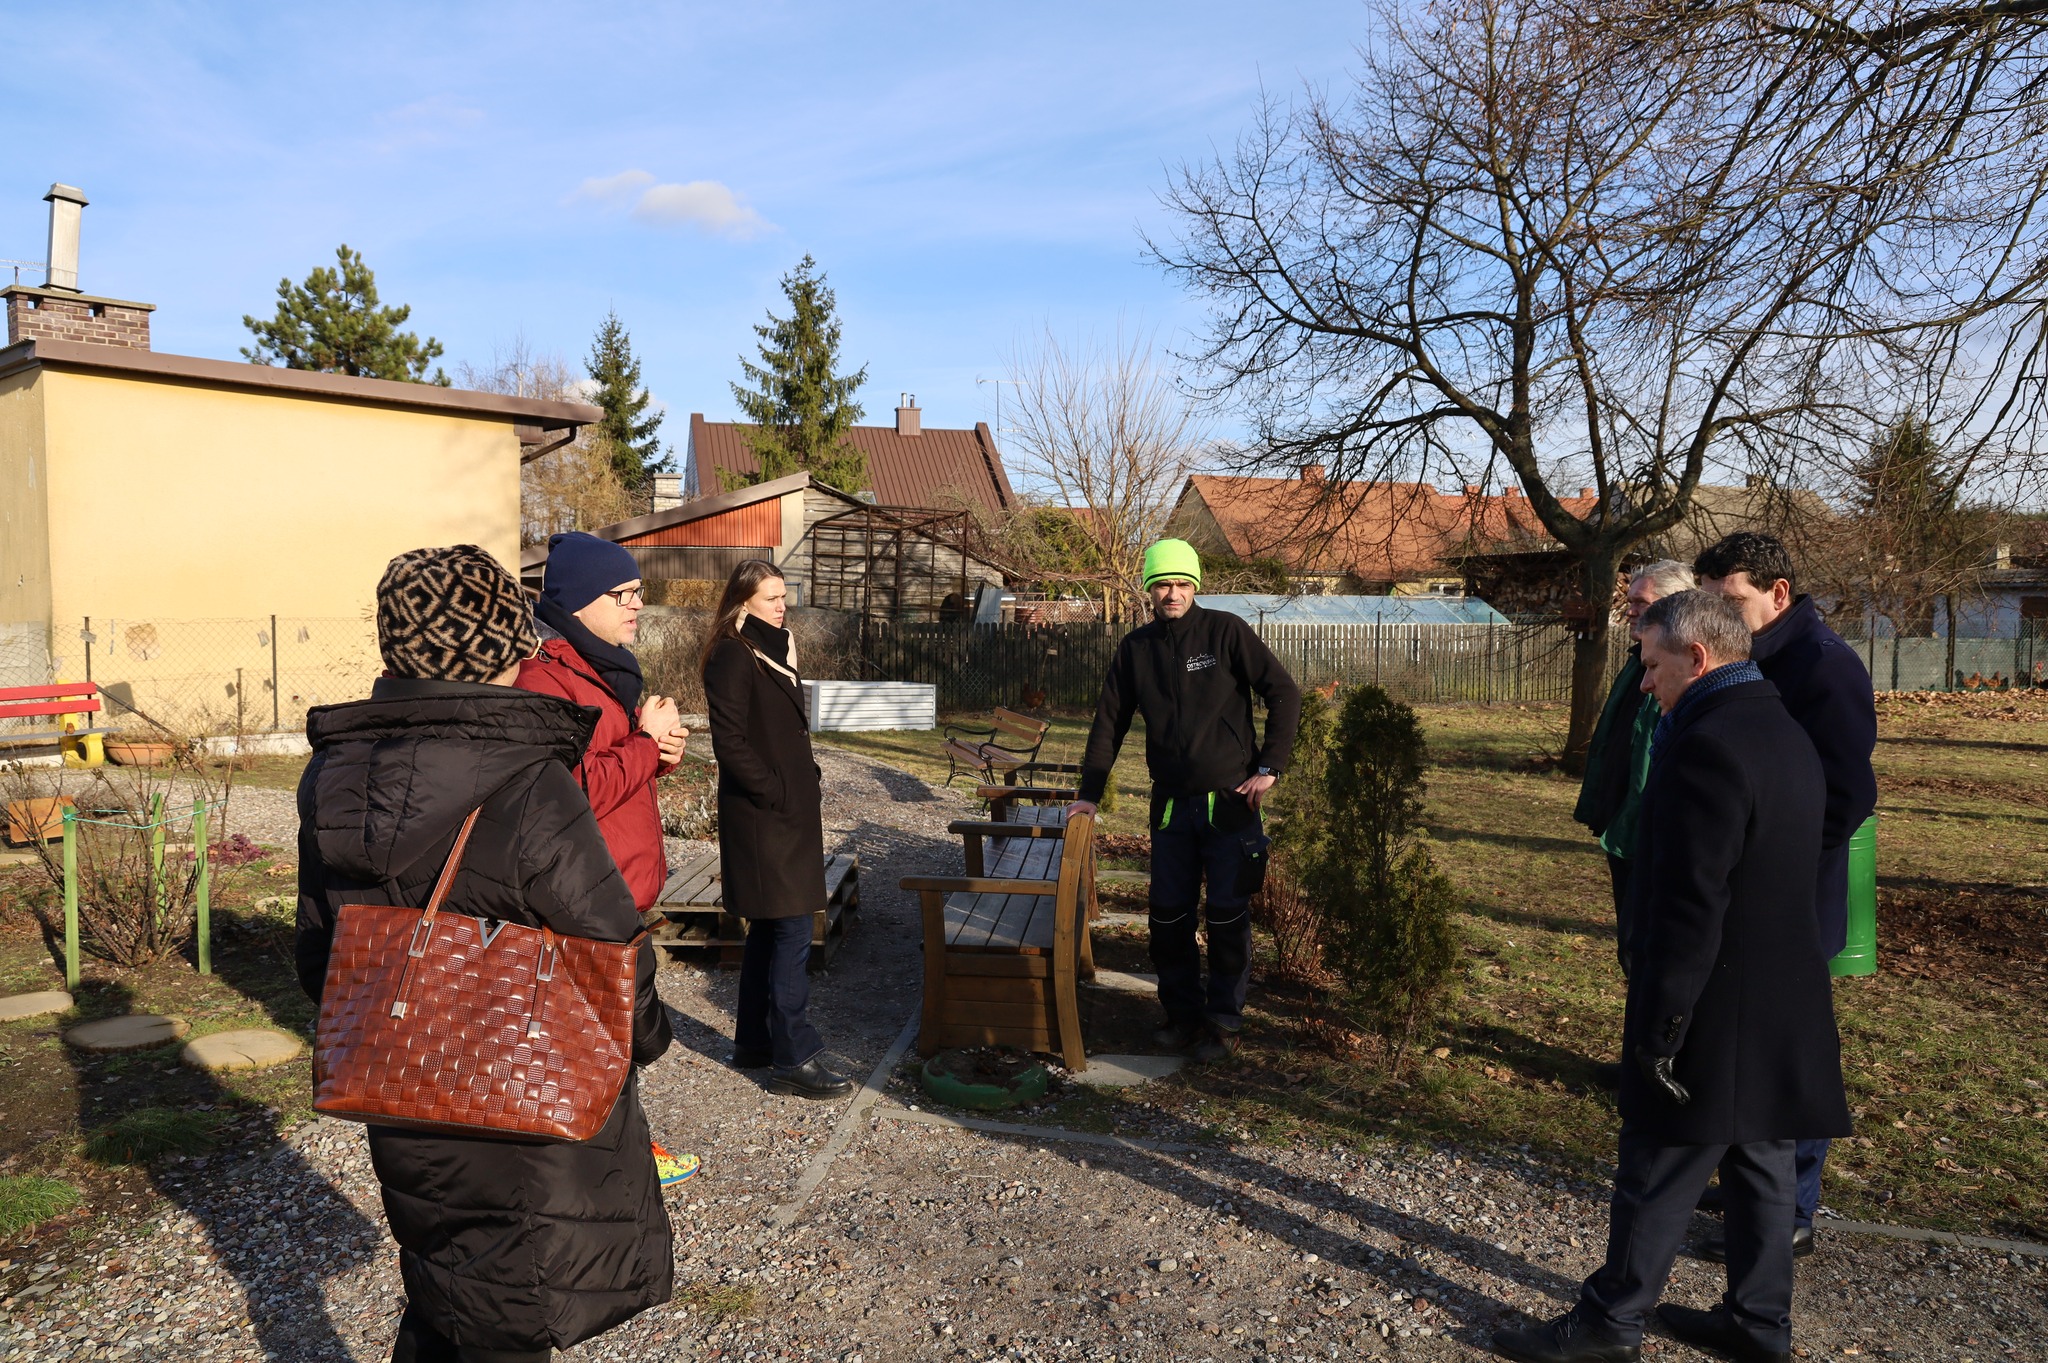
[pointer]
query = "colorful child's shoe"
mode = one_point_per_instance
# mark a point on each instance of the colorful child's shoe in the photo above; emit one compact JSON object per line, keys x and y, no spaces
{"x":672,"y":1168}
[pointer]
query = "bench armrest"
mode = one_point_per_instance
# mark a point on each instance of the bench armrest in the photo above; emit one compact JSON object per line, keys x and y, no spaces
{"x":989,"y":829}
{"x":955,"y":730}
{"x":1027,"y":793}
{"x":1073,"y":767}
{"x":979,"y":885}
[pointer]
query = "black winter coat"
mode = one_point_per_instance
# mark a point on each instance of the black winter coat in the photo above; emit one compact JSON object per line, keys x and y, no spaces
{"x":1727,"y":972}
{"x":1827,"y":690}
{"x":504,"y":1244}
{"x":1193,"y":680}
{"x":771,"y":836}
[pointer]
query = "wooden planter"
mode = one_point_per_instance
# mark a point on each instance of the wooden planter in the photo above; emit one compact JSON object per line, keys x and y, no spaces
{"x":141,"y":752}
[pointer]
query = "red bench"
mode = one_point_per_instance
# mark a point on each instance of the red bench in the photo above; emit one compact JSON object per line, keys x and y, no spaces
{"x":38,"y":702}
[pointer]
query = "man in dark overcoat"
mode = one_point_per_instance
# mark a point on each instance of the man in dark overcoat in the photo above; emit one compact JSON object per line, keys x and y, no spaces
{"x":1730,"y":1028}
{"x":1827,"y":690}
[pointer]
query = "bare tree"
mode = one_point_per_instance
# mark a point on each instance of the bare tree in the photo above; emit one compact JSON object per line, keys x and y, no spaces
{"x":574,"y":488}
{"x":1102,"y":429}
{"x":1620,"y":247}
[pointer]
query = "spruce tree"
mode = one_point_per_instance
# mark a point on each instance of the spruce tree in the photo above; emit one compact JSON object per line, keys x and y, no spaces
{"x":800,"y":407}
{"x":333,"y":323}
{"x":626,"y":430}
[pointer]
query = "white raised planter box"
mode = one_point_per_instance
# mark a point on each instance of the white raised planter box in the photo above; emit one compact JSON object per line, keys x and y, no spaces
{"x":871,"y":705}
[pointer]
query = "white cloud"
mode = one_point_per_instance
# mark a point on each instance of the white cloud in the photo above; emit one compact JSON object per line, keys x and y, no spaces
{"x":704,"y":204}
{"x":612,"y":188}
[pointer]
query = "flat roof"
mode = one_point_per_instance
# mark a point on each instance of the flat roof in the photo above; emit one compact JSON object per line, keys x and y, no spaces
{"x":153,"y":364}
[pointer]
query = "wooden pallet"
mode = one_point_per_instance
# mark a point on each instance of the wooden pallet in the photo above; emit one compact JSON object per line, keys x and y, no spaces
{"x":690,"y":915}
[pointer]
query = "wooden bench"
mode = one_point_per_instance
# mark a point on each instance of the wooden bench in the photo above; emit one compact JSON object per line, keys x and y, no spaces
{"x":690,"y":912}
{"x":39,"y":702}
{"x":1006,"y":944}
{"x":1012,"y":742}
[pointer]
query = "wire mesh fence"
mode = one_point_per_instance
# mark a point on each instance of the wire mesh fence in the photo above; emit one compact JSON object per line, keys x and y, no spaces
{"x":976,"y":667}
{"x":200,"y":676}
{"x":1977,"y":664}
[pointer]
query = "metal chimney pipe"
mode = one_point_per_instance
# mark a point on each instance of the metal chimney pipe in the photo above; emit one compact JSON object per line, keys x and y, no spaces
{"x":67,"y":205}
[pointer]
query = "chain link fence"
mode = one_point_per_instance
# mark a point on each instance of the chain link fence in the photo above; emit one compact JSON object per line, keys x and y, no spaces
{"x":199,"y":676}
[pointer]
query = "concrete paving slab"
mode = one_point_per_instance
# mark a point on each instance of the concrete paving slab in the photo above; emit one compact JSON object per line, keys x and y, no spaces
{"x":1129,"y":982}
{"x":1121,"y":1071}
{"x":35,"y":1005}
{"x":247,"y":1048}
{"x":133,"y":1032}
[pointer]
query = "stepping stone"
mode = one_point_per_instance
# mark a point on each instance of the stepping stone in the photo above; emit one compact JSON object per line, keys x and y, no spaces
{"x":250,"y":1048}
{"x":1128,"y":982}
{"x":1121,"y":1071}
{"x":34,"y":1005}
{"x":134,"y":1032}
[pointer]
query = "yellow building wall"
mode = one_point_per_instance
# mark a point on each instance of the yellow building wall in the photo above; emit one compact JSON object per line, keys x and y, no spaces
{"x":24,"y":530}
{"x":182,"y":518}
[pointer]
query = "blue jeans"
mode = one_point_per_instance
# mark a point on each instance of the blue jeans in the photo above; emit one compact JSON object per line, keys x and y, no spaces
{"x":1813,"y":1156}
{"x":1188,"y":847}
{"x":775,"y":992}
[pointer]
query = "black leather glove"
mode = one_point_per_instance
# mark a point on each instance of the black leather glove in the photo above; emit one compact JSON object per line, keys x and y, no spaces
{"x":1657,"y":1069}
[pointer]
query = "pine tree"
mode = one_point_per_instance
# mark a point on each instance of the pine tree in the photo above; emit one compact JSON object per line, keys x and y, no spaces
{"x":801,"y":408}
{"x":626,"y":431}
{"x":333,"y":323}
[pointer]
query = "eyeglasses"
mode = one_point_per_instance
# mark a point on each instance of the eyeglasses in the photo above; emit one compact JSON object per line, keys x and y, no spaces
{"x":629,"y":596}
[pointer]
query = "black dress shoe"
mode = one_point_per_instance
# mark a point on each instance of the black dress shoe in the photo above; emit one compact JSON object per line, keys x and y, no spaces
{"x":1716,"y":1332}
{"x":1568,"y":1339}
{"x":1714,"y":1249}
{"x":810,"y":1080}
{"x":744,"y":1059}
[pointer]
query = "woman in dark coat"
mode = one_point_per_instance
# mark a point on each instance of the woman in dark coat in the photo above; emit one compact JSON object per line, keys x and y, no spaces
{"x":771,"y":839}
{"x":508,"y":1248}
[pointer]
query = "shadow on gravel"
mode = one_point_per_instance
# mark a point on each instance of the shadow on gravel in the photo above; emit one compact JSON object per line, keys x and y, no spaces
{"x":903,"y":788}
{"x":271,"y":1220}
{"x":1223,"y":1178}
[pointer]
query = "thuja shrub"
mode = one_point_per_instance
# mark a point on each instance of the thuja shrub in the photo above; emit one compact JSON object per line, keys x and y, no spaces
{"x":1298,"y":817}
{"x":1387,"y":911}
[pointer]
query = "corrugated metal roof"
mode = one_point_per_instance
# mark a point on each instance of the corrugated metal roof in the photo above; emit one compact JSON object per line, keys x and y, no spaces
{"x":1357,"y":610}
{"x":941,"y":470}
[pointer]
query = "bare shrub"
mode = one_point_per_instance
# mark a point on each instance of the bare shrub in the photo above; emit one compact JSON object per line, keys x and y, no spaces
{"x":1285,"y":910}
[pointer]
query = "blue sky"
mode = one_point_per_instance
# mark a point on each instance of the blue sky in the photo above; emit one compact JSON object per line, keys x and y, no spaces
{"x":966,"y":175}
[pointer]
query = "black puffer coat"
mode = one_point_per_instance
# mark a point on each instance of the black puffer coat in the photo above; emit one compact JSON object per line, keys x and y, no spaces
{"x":506,"y":1245}
{"x":771,"y":834}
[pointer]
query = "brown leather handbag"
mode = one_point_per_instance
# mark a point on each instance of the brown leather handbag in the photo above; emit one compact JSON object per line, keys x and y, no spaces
{"x":466,"y":1026}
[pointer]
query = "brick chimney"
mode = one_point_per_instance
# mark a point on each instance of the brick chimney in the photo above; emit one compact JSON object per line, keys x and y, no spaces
{"x":907,"y":415}
{"x":58,"y":311}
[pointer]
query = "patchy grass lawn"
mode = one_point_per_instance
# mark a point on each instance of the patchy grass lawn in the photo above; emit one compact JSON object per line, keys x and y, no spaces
{"x":102,"y":1124}
{"x":1946,"y":1048}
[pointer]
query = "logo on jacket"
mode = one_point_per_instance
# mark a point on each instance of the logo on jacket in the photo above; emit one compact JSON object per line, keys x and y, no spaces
{"x":1200,"y":661}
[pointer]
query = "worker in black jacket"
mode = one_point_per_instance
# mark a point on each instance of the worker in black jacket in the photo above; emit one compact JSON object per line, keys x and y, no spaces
{"x":1827,"y":690}
{"x":1192,"y":673}
{"x":1730,"y":1030}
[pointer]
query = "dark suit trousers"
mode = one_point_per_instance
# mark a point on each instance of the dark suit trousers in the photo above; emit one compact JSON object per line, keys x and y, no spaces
{"x":775,"y":992}
{"x":1656,"y":1188}
{"x":1617,"y":875}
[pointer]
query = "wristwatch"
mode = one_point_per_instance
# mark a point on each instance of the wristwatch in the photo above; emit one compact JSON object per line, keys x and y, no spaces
{"x":1268,"y":771}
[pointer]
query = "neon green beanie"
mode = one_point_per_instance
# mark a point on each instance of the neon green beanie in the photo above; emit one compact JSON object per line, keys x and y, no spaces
{"x":1172,"y":558}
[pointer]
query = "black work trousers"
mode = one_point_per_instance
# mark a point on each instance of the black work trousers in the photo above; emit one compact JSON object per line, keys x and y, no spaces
{"x":1217,"y":839}
{"x":420,"y":1342}
{"x":773,"y":1012}
{"x":1656,"y":1188}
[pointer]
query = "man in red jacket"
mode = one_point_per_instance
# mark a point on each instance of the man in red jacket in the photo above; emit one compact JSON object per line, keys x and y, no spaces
{"x":588,"y":614}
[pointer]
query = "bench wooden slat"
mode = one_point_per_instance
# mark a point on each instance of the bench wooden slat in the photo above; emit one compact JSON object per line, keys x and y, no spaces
{"x":49,"y":691}
{"x":44,"y":709}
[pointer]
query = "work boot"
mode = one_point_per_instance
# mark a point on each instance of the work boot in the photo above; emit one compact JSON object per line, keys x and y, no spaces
{"x":1178,"y":1036}
{"x":1716,"y":1332}
{"x":1214,"y":1048}
{"x":1569,"y":1339}
{"x":1714,"y":1249}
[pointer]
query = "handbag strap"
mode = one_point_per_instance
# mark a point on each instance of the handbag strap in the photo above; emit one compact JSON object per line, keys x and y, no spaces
{"x":423,"y":931}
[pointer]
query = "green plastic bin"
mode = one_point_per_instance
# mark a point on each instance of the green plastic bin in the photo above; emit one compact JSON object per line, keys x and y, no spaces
{"x":1859,"y":955}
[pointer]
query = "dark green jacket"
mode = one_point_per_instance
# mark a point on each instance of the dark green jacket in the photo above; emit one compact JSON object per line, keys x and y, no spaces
{"x":1618,"y":761}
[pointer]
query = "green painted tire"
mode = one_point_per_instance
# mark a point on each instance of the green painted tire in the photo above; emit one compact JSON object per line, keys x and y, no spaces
{"x":1027,"y":1085}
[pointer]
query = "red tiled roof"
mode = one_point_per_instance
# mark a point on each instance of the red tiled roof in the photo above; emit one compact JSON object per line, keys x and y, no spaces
{"x":942,"y":470}
{"x":1376,"y":532}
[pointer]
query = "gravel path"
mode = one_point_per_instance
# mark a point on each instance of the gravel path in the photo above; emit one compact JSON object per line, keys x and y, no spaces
{"x":929,"y":1242}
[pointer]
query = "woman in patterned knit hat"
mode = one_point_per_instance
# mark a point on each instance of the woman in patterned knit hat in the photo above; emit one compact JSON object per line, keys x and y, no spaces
{"x":508,"y":1248}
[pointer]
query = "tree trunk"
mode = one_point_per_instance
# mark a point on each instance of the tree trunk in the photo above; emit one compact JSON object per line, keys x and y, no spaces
{"x":1590,"y":678}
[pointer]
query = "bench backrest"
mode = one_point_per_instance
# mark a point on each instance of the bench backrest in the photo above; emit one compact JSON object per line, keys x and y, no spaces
{"x":1022,"y":728}
{"x":30,"y":702}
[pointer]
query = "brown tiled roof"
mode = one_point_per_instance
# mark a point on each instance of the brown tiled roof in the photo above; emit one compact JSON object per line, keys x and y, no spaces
{"x":1375,"y":532}
{"x":942,"y":470}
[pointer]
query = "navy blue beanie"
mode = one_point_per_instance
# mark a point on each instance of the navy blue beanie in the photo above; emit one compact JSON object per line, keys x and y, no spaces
{"x":582,"y":567}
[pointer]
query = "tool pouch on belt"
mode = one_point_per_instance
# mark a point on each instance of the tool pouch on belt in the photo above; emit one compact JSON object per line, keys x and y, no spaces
{"x":1235,"y":818}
